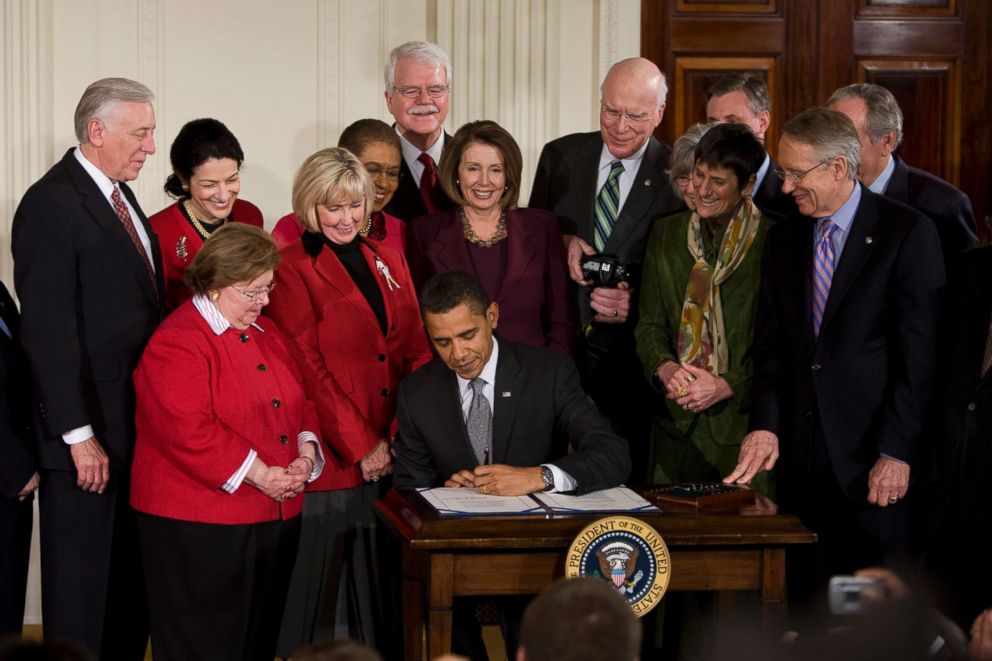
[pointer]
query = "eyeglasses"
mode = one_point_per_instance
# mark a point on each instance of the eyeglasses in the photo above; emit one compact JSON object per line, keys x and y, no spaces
{"x":614,"y":115}
{"x":393,"y":174}
{"x":797,"y":177}
{"x":254,"y":294}
{"x":433,"y":91}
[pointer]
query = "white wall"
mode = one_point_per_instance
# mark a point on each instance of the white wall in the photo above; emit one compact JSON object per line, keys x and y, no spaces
{"x":286,"y":76}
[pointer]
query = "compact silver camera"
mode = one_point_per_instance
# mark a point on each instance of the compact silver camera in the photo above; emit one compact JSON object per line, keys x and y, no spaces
{"x":852,"y":595}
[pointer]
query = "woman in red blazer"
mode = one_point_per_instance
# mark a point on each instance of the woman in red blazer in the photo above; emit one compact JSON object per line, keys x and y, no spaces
{"x":377,"y":146}
{"x":349,"y":309}
{"x":206,"y":162}
{"x":516,"y":253}
{"x":225,"y":443}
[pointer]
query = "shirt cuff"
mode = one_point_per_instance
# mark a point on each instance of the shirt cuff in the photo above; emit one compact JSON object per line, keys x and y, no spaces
{"x":234,"y":482}
{"x":896,"y":459}
{"x":77,"y":435}
{"x":564,"y":482}
{"x":318,"y":462}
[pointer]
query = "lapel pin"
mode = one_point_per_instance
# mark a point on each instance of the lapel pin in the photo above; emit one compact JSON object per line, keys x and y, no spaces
{"x":647,"y":182}
{"x":505,"y":393}
{"x":868,"y":240}
{"x":391,"y":284}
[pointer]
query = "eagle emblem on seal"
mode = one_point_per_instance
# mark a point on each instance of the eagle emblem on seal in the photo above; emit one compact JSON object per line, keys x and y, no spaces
{"x":618,"y":561}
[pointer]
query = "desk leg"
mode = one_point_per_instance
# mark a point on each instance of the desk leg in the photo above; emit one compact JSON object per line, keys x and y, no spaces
{"x":442,"y":591}
{"x":773,"y":588}
{"x":413,"y":608}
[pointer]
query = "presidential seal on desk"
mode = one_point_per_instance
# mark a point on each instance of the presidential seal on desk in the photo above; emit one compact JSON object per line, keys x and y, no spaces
{"x":628,"y":553}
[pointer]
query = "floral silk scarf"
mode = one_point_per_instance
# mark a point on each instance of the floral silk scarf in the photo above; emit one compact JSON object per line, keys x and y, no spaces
{"x":702,"y":335}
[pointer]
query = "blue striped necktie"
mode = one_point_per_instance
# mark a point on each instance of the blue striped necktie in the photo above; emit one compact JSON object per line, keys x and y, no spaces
{"x":608,"y":205}
{"x":823,"y":272}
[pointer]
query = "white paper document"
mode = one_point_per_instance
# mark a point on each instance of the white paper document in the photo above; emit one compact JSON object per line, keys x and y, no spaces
{"x":463,"y":501}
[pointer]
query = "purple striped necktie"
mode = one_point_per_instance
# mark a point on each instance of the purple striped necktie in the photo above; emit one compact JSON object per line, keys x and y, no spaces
{"x":823,"y":272}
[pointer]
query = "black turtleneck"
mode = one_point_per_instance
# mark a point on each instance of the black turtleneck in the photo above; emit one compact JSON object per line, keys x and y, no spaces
{"x":351,"y":257}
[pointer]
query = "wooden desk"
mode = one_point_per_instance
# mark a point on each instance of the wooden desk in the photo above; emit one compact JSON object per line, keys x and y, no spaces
{"x":732,"y":548}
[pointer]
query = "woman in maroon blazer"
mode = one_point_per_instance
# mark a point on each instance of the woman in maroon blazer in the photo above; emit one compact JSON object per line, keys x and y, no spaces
{"x":349,"y":309}
{"x":516,"y":253}
{"x":225,"y":443}
{"x":206,"y":163}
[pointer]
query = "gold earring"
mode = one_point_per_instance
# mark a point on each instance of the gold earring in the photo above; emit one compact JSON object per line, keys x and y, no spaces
{"x":214,"y":295}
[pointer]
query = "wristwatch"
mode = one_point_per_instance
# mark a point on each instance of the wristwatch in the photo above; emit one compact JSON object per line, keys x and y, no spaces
{"x":548,"y":477}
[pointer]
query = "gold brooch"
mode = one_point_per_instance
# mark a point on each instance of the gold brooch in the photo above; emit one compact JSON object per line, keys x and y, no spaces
{"x":181,"y":248}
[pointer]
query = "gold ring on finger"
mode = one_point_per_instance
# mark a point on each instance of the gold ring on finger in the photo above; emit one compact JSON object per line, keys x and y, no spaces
{"x":681,"y":391}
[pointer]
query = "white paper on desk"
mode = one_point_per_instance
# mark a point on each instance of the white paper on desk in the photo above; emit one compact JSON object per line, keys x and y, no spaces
{"x":460,"y":500}
{"x":618,"y":499}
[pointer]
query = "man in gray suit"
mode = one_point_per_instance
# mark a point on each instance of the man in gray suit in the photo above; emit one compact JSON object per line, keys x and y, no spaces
{"x":607,"y":188}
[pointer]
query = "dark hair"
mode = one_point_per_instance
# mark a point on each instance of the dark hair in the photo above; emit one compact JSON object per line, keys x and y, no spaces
{"x":237,"y":252}
{"x":754,"y":88}
{"x":359,"y":135}
{"x":336,"y":650}
{"x":446,"y":291}
{"x":731,"y":146}
{"x":15,"y":649}
{"x":577,"y":619}
{"x":488,"y":133}
{"x":197,"y":142}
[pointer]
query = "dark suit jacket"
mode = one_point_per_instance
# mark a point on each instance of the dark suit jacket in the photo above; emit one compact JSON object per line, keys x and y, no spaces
{"x":962,"y":430}
{"x":769,"y":197}
{"x":565,"y":184}
{"x":533,"y":298}
{"x":867,"y":378}
{"x":16,"y":444}
{"x":406,"y":203}
{"x":948,"y":208}
{"x":540,"y":406}
{"x":87,"y":309}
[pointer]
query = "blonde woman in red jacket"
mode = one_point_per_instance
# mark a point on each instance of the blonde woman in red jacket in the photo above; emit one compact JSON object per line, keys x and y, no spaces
{"x":349,"y":309}
{"x":225,"y":445}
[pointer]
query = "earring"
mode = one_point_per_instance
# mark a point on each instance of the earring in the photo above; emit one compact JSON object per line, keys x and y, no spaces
{"x":214,"y":295}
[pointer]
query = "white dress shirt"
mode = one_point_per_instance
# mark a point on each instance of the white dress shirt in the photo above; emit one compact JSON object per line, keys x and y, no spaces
{"x":411,"y":153}
{"x":563,"y":481}
{"x":631,"y":165}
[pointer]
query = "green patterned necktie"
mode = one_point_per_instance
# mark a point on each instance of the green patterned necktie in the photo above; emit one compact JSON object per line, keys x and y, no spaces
{"x":608,"y":205}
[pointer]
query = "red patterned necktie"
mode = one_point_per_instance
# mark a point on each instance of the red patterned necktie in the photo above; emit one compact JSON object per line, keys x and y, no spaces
{"x":428,"y":181}
{"x":125,"y":217}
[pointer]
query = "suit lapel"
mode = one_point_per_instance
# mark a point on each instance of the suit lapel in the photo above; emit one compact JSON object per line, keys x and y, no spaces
{"x":586,"y":173}
{"x":898,"y":186}
{"x":449,"y":408}
{"x":982,"y":315}
{"x":103,"y":213}
{"x":329,"y":267}
{"x":519,"y":250}
{"x":647,"y":186}
{"x":805,"y":290}
{"x":449,"y":248}
{"x":506,"y":393}
{"x":857,"y":248}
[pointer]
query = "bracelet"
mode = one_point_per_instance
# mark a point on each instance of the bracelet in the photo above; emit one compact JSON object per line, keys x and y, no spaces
{"x":312,"y":462}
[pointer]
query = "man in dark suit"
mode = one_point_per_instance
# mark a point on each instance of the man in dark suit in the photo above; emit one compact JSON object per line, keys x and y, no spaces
{"x":607,"y":188}
{"x":418,"y":90}
{"x":533,"y":398}
{"x":496,"y":416}
{"x":962,"y":429}
{"x":18,"y":477}
{"x":743,"y":98}
{"x":85,"y":263}
{"x":878,"y":119}
{"x":843,"y":352}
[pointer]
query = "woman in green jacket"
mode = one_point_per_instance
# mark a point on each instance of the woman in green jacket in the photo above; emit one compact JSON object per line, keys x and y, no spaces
{"x":697,"y":307}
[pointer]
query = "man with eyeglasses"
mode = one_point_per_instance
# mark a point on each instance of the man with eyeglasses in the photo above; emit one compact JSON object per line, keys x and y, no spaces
{"x":843,"y":354}
{"x":878,"y":119}
{"x":607,"y":188}
{"x":742,"y":98}
{"x":418,"y":90}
